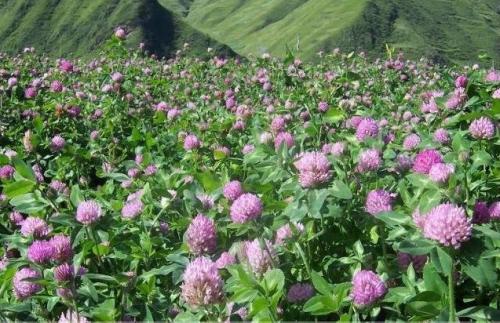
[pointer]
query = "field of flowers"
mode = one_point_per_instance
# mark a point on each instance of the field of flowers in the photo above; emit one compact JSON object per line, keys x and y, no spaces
{"x":134,"y":188}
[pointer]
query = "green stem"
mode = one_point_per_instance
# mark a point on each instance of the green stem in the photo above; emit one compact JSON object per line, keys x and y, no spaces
{"x":90,"y":232}
{"x":451,"y":295}
{"x":303,"y":256}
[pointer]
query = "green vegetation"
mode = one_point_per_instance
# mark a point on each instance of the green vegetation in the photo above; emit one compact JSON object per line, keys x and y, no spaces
{"x":69,"y":27}
{"x":445,"y":30}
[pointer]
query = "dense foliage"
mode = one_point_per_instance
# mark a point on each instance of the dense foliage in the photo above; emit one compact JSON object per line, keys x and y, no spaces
{"x":139,"y":189}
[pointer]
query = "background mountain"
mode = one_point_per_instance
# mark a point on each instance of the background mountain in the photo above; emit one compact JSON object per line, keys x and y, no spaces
{"x":445,"y":30}
{"x":77,"y":27}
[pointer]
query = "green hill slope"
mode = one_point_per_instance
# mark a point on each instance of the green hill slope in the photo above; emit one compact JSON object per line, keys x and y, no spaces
{"x":65,"y":27}
{"x":445,"y":30}
{"x":449,"y":30}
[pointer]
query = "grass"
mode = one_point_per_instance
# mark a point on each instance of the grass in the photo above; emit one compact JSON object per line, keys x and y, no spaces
{"x":74,"y":28}
{"x":446,"y":30}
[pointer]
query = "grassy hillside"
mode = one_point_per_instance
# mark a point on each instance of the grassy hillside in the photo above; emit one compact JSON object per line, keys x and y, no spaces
{"x":448,"y":30}
{"x":65,"y":27}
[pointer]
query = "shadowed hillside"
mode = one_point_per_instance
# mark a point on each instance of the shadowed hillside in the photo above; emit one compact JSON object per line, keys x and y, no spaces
{"x":65,"y":27}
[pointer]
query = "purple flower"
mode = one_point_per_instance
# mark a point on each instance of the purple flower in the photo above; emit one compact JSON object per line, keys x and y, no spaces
{"x":207,"y":202}
{"x":30,"y":92}
{"x":225,"y":259}
{"x":367,"y":288}
{"x":369,"y":160}
{"x":405,"y":259}
{"x":11,"y":82}
{"x":150,"y":170}
{"x":286,"y":232}
{"x":247,"y":149}
{"x":447,"y":224}
{"x":411,"y":142}
{"x":425,"y":159}
{"x":117,"y":77}
{"x":440,"y":172}
{"x":62,"y":247}
{"x":441,"y":136}
{"x":283,"y":138}
{"x":88,"y":212}
{"x":57,"y":143}
{"x":278,"y":124}
{"x":260,"y":258}
{"x":6,"y":172}
{"x":493,"y":76}
{"x":56,"y":86}
{"x":379,"y":201}
{"x":40,"y":251}
{"x":22,"y":288}
{"x":300,"y":292}
{"x":496,"y":94}
{"x":314,"y":169}
{"x":245,"y":208}
{"x":132,"y":209}
{"x":202,"y":284}
{"x":191,"y":142}
{"x":494,"y":211}
{"x":201,"y":235}
{"x":233,"y":190}
{"x":16,"y":218}
{"x":64,"y":272}
{"x":66,"y":66}
{"x":461,"y":81}
{"x":481,"y":213}
{"x":72,"y":317}
{"x":323,"y":106}
{"x":482,"y":128}
{"x":367,"y":128}
{"x":34,"y":226}
{"x":59,"y":187}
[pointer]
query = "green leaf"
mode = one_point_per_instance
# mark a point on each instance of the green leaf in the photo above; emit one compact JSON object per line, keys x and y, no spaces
{"x":432,"y":280}
{"x":16,"y":308}
{"x":320,"y":305}
{"x":23,"y":169}
{"x":18,"y":188}
{"x":481,"y":313}
{"x":341,"y":190}
{"x":186,"y":317}
{"x":423,"y":310}
{"x":89,"y":286}
{"x":209,"y":181}
{"x":481,"y":158}
{"x":320,"y":284}
{"x":105,"y":311}
{"x":244,"y":295}
{"x":393,"y":218}
{"x":76,"y":196}
{"x":28,"y":203}
{"x":441,"y":260}
{"x":274,"y":280}
{"x":316,"y":199}
{"x":101,"y":277}
{"x":484,"y":273}
{"x":334,"y":115}
{"x":429,"y":200}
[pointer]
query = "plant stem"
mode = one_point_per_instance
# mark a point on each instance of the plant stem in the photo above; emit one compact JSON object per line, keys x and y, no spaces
{"x":303,"y":256}
{"x":451,"y":295}
{"x":93,"y":237}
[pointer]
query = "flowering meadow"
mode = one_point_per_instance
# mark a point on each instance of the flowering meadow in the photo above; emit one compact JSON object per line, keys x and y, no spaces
{"x":140,"y":189}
